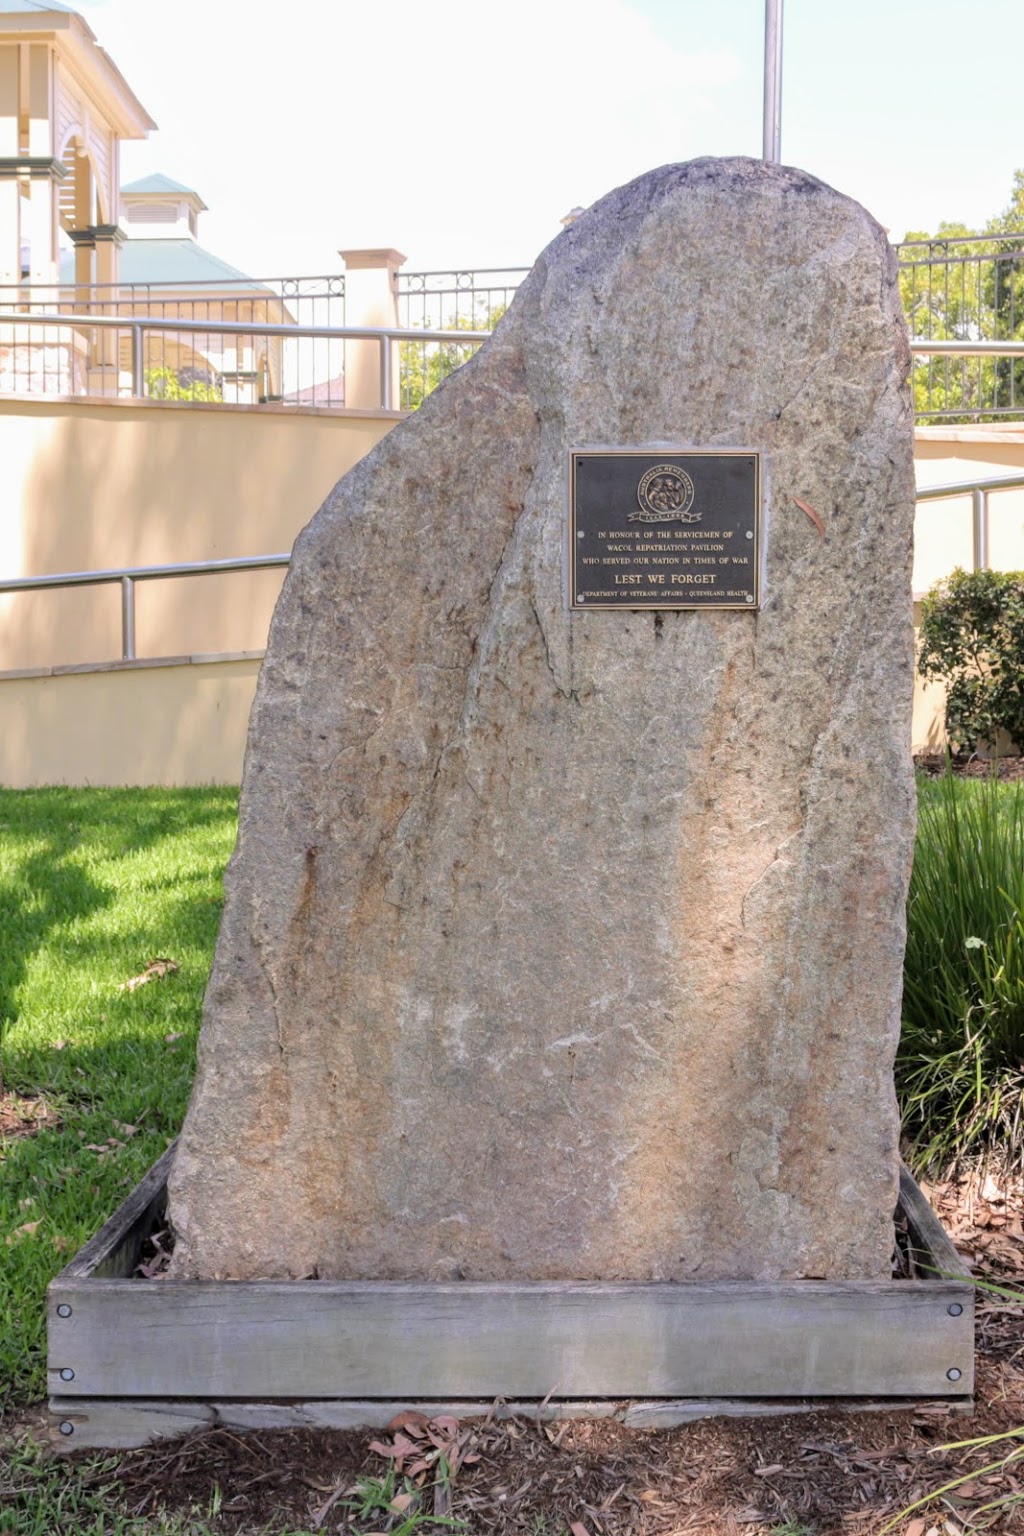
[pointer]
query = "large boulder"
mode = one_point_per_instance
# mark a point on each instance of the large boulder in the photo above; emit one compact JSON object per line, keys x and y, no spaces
{"x":569,"y":944}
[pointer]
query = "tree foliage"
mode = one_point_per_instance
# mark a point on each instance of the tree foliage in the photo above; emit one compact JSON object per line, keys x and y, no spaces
{"x":972,"y":638}
{"x":956,"y":286}
{"x":182,"y":384}
{"x":426,"y":364}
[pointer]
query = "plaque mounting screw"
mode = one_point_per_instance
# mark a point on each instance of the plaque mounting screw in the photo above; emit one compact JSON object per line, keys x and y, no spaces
{"x":750,"y":599}
{"x":66,"y":1428}
{"x":64,"y":1310}
{"x":580,"y":598}
{"x":67,"y":1375}
{"x":750,"y":534}
{"x":955,"y":1310}
{"x":579,"y":535}
{"x":954,"y":1374}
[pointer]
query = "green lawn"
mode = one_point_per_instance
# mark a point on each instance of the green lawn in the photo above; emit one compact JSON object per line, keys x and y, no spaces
{"x":94,"y":884}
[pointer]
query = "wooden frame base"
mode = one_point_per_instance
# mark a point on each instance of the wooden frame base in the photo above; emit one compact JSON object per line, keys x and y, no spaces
{"x":79,"y":1423}
{"x":133,"y":1360}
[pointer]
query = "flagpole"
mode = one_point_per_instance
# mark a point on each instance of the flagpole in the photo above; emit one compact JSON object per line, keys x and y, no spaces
{"x":772,"y":152}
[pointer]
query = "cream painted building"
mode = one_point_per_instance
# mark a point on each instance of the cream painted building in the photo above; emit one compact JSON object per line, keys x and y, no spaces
{"x":72,"y":240}
{"x":65,"y":107}
{"x":164,"y":272}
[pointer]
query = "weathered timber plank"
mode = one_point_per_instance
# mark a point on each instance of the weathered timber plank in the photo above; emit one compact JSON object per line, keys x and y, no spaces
{"x":668,"y":1415}
{"x":114,"y":1251}
{"x":83,"y":1424}
{"x":333,"y":1339}
{"x":123,"y":1424}
{"x":933,"y":1248}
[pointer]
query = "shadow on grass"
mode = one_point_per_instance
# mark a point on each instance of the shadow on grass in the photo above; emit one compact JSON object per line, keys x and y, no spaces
{"x":50,"y":838}
{"x":87,"y":896}
{"x":39,"y":892}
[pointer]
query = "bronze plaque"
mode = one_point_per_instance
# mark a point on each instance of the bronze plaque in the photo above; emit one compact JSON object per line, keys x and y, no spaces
{"x":664,"y":528}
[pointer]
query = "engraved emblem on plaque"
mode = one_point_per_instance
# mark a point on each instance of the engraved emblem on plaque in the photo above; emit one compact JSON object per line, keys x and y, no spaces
{"x":665,"y":495}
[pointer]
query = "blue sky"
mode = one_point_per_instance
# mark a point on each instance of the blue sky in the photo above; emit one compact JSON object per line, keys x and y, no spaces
{"x":461,"y":131}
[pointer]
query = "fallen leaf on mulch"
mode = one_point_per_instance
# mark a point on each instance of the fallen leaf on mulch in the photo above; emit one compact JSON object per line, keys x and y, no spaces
{"x":24,"y":1116}
{"x":155,"y":970}
{"x":1006,"y":768}
{"x":418,"y":1445}
{"x":991,"y":1192}
{"x":156,"y":1254}
{"x":992,"y":1244}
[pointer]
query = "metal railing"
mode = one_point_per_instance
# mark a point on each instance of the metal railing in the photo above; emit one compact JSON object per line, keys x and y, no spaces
{"x":965,"y":288}
{"x":979,"y":491}
{"x":132,"y":364}
{"x":311,"y":374}
{"x":127,"y":577}
{"x":132,"y":358}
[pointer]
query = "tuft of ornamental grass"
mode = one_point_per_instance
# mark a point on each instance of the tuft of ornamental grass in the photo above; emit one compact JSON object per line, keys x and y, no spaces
{"x":960,"y":1065}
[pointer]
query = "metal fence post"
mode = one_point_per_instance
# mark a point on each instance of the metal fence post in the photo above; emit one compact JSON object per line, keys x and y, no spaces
{"x":979,"y":509}
{"x":127,"y":618}
{"x":138,"y":379}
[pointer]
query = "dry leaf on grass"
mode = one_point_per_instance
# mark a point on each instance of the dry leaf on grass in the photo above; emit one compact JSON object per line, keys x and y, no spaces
{"x":155,"y":970}
{"x":26,"y":1230}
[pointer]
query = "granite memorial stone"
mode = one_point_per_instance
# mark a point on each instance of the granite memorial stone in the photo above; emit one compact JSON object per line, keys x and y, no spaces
{"x":564,"y":943}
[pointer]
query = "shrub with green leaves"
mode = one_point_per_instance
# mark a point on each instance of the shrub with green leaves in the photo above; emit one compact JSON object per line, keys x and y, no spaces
{"x":960,"y":1066}
{"x":972,"y":639}
{"x":182,"y":384}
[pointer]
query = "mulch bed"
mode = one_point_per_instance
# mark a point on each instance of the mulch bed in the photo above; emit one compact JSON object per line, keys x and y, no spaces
{"x":830,"y":1474}
{"x":933,"y":764}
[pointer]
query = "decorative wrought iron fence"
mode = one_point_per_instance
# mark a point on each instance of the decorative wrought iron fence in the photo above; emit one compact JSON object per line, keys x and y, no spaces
{"x":304,"y":300}
{"x":455,"y":301}
{"x":451,"y":301}
{"x":965,"y":288}
{"x":148,"y":358}
{"x":303,"y":370}
{"x":289,"y":333}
